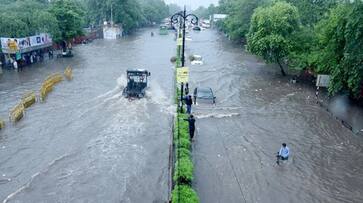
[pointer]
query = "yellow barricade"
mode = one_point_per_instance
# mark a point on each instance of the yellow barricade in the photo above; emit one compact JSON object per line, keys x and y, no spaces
{"x":48,"y":84}
{"x":46,"y":88}
{"x":28,"y":99}
{"x":68,"y":73}
{"x":2,"y":124}
{"x":17,"y":113}
{"x":54,"y":79}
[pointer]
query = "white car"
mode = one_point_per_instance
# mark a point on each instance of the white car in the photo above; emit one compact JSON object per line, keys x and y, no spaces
{"x":196,"y":62}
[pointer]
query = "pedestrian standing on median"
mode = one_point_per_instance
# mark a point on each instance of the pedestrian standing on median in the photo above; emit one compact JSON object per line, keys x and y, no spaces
{"x":189,"y":102}
{"x":186,"y":89}
{"x":191,"y":122}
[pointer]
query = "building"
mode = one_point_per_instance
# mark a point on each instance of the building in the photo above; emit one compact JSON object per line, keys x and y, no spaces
{"x":217,"y":17}
{"x":111,"y":31}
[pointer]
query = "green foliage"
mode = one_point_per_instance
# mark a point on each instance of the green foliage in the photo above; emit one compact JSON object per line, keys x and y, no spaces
{"x":154,"y":10}
{"x":237,"y":24}
{"x":339,"y":51}
{"x":173,"y":8}
{"x":62,"y":19}
{"x":271,"y":31}
{"x":312,"y":11}
{"x":184,"y":194}
{"x":183,"y":153}
{"x":183,"y":172}
{"x":204,"y":13}
{"x":183,"y":142}
{"x":70,"y":18}
{"x":26,"y":18}
{"x":130,"y":14}
{"x":301,"y":57}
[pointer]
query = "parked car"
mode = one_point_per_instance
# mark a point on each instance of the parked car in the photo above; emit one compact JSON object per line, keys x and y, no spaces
{"x":197,"y":28}
{"x":204,"y":95}
{"x":196,"y":60}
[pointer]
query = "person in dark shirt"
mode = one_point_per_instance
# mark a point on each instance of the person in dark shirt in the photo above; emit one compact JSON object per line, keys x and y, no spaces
{"x":189,"y":102}
{"x":191,"y":122}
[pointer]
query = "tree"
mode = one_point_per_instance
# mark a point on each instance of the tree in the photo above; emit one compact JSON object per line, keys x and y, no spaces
{"x":312,"y":11}
{"x":69,"y":17}
{"x":339,"y":50}
{"x":271,"y":32}
{"x":237,"y":24}
{"x":154,"y":10}
{"x":26,"y":18}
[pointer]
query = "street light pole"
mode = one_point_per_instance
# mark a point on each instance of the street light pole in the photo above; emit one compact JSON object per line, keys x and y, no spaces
{"x":181,"y":18}
{"x":183,"y":44}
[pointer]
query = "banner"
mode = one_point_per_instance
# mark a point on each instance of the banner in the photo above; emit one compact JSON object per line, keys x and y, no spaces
{"x":323,"y":81}
{"x":182,"y":75}
{"x":18,"y":44}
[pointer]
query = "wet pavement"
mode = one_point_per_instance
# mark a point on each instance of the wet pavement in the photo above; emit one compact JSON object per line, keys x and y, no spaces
{"x":256,"y":110}
{"x":87,"y":143}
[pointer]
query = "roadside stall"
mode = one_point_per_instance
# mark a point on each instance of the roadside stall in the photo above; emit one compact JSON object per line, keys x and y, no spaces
{"x":19,"y":52}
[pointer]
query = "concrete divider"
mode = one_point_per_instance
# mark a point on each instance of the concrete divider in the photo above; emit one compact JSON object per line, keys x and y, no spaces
{"x":68,"y":73}
{"x":28,"y":99}
{"x":16,"y":113}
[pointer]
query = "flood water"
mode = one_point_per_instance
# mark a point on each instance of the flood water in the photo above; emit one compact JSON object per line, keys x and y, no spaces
{"x":256,"y":110}
{"x":87,"y":143}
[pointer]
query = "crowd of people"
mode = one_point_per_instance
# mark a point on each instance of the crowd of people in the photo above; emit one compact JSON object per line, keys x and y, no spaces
{"x":27,"y":59}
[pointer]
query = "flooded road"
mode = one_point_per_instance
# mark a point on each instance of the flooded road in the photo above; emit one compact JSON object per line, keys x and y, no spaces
{"x":256,"y":110}
{"x":87,"y":143}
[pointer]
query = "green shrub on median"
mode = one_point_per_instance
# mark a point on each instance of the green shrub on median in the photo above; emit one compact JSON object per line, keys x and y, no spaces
{"x":183,"y":171}
{"x":184,"y":194}
{"x":183,"y":143}
{"x":183,"y":153}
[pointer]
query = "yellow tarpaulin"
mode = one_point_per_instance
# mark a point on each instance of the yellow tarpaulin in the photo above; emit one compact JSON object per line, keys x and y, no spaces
{"x":182,"y":75}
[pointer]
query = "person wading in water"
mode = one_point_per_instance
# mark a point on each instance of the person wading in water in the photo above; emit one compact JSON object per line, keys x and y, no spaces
{"x":283,"y":154}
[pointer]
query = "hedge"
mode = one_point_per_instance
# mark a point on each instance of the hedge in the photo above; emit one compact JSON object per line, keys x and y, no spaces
{"x":184,"y":194}
{"x":184,"y":171}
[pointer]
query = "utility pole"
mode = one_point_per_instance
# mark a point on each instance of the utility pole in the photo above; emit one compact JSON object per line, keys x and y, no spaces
{"x":111,"y":16}
{"x":182,"y":17}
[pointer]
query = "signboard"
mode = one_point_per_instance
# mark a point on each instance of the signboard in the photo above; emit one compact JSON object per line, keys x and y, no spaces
{"x":12,"y":45}
{"x":182,"y":75}
{"x":179,"y":41}
{"x":323,"y":81}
